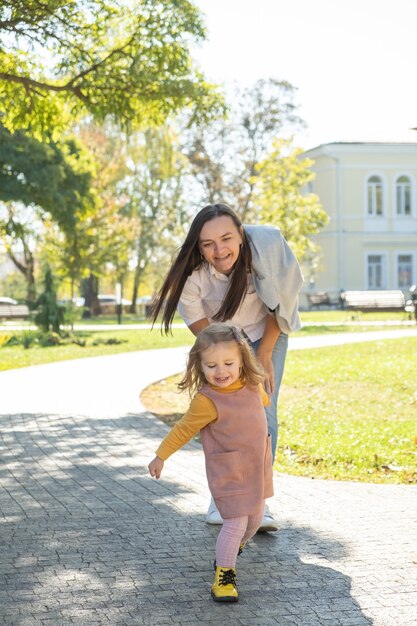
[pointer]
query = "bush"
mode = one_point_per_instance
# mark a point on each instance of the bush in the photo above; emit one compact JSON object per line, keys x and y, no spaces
{"x":112,"y":341}
{"x":49,"y":314}
{"x":28,"y":338}
{"x":49,"y":339}
{"x":72,"y":313}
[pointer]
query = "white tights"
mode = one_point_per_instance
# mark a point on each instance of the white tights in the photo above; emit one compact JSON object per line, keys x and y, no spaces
{"x":236,"y":530}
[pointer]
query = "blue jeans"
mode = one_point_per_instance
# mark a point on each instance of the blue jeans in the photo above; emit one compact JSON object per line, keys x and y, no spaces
{"x":278,"y":360}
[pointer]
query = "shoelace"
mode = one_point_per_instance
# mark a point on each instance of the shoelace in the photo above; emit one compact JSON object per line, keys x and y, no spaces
{"x":227,"y":577}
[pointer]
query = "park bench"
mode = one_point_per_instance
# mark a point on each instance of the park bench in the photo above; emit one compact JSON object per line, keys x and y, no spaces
{"x":320,"y":299}
{"x":384,"y":300}
{"x":13,"y":311}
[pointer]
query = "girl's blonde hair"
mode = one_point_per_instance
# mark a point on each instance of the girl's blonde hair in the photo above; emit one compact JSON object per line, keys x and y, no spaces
{"x":252,"y":372}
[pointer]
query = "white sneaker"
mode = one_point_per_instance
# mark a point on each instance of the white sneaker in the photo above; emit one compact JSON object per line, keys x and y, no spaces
{"x":268,"y":524}
{"x":213,"y":516}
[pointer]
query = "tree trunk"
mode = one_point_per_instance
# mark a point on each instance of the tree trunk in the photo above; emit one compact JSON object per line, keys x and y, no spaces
{"x":89,"y":291}
{"x":27,"y":268}
{"x":132,"y":308}
{"x":31,"y":287}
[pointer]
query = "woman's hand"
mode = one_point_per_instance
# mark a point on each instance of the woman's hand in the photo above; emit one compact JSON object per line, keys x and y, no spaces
{"x":265,"y":359}
{"x":155,"y":467}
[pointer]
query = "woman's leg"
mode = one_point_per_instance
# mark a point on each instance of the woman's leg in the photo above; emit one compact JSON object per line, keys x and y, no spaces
{"x":279,"y":353}
{"x":278,"y":359}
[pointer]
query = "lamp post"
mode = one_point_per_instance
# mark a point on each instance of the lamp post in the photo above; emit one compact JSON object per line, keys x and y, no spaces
{"x":119,"y":302}
{"x":413,"y":292}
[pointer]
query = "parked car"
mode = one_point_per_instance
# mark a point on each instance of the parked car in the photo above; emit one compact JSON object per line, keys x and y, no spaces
{"x":78,"y":302}
{"x":5,"y":300}
{"x":108,"y":303}
{"x":144,"y":306}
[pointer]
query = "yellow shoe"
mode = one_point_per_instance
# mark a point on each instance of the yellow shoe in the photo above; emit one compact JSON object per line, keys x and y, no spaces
{"x":224,"y":588}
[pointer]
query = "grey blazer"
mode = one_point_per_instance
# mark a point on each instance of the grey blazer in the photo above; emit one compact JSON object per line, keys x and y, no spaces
{"x":276,"y":274}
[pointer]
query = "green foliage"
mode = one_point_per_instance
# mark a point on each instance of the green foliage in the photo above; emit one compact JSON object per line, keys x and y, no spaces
{"x":72,"y":313}
{"x":49,"y":314}
{"x":53,"y":176}
{"x":280,"y":197}
{"x":52,"y":180}
{"x":28,"y":338}
{"x":13,"y":283}
{"x":48,"y":339}
{"x":111,"y":341}
{"x":156,"y":200}
{"x":130,"y":60}
{"x":224,"y":152}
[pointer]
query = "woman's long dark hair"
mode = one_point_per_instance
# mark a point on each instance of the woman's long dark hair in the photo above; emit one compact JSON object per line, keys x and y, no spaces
{"x":189,"y":258}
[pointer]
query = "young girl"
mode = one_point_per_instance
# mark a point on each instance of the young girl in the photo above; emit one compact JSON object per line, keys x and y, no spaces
{"x":228,"y":411}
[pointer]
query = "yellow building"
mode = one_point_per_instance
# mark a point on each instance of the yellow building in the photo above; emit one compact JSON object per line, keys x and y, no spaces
{"x":369,"y":192}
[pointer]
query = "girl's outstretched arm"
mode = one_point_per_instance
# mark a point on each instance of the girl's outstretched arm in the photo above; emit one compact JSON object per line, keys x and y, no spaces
{"x":155,"y":467}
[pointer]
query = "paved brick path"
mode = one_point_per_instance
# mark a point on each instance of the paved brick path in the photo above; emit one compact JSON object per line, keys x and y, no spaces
{"x":88,"y":538}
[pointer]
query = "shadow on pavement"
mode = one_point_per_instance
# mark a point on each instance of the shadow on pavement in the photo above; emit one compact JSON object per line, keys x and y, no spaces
{"x":88,"y":537}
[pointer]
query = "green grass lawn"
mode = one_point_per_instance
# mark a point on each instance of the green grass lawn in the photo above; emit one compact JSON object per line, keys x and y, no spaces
{"x":315,"y":322}
{"x":350,"y":412}
{"x":346,"y":412}
{"x":17,"y":356}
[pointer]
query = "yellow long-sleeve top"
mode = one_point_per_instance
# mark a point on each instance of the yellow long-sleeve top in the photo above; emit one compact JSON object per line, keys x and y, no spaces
{"x":201,"y":412}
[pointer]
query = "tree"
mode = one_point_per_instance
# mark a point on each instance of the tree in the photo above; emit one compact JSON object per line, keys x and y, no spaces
{"x":280,"y":197}
{"x":49,"y":314}
{"x":54,"y":176}
{"x":19,"y":233}
{"x":102,"y":235}
{"x":224,"y":153}
{"x":129,"y":60}
{"x":155,"y":191}
{"x":49,"y":179}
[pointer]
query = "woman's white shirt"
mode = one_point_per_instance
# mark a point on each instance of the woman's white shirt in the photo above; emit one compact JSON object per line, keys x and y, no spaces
{"x":204,"y":292}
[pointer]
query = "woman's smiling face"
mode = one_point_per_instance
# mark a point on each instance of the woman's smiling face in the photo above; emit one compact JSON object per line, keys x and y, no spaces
{"x":222,"y":363}
{"x":220,"y":242}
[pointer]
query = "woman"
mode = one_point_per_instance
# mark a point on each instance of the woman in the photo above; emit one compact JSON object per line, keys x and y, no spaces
{"x":246,"y":276}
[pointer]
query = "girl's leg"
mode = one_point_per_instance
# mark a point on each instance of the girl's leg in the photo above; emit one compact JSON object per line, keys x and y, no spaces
{"x":254,"y":521}
{"x":228,"y":541}
{"x":235,"y":531}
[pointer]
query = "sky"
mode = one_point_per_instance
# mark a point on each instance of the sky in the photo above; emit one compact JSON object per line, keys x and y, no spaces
{"x":353,"y":62}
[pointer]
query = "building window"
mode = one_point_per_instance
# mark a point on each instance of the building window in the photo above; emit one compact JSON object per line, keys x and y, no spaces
{"x":405,"y":276}
{"x":376,"y":271}
{"x":403,"y":196}
{"x":375,"y":197}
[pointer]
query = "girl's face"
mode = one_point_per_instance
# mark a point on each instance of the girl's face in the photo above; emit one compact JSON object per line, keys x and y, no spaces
{"x":220,"y":242}
{"x":221,"y":363}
